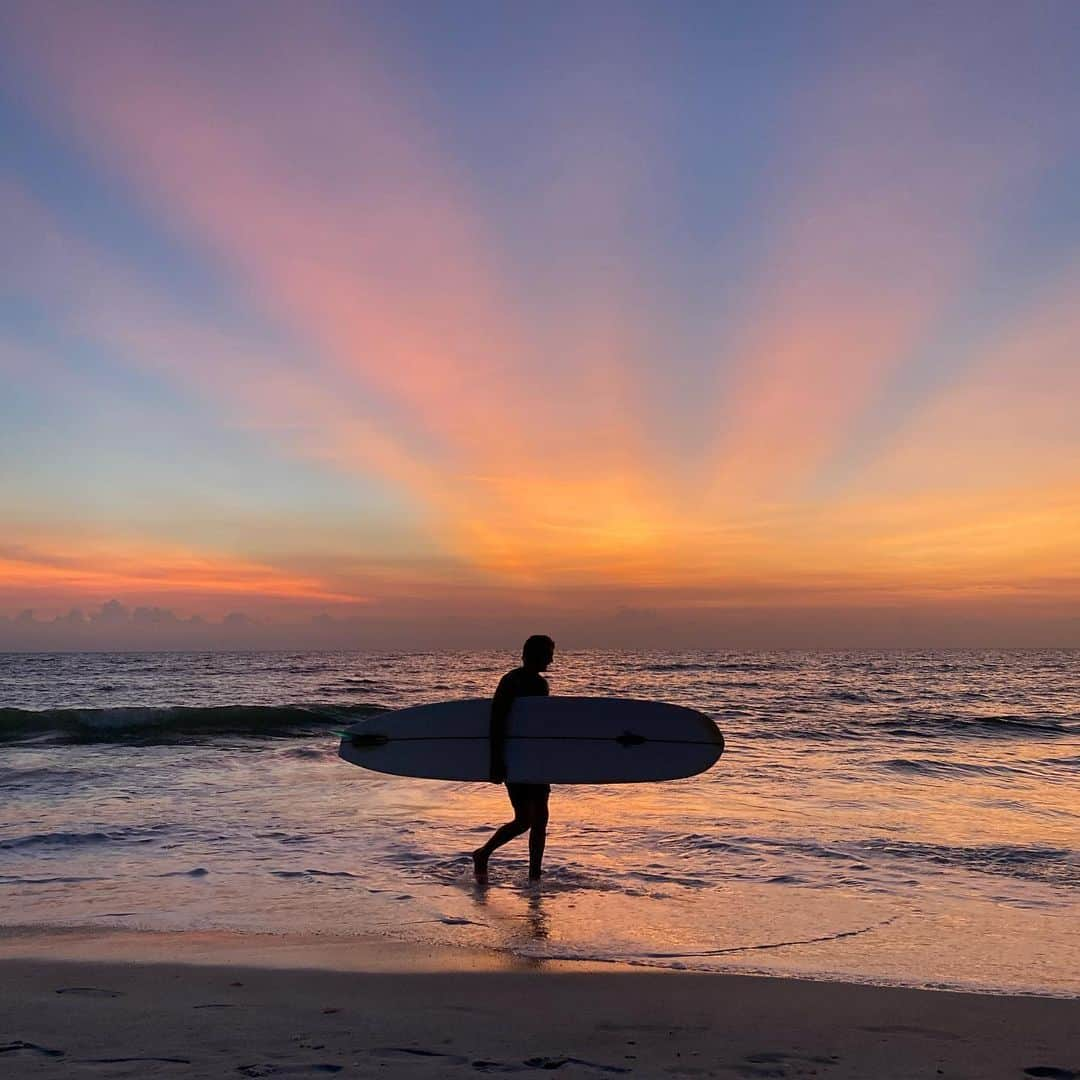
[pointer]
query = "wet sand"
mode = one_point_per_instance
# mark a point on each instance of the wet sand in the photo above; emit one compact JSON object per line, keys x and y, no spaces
{"x":214,"y":1005}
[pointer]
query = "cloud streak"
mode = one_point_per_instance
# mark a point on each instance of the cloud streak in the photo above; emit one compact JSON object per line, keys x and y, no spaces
{"x":95,"y":570}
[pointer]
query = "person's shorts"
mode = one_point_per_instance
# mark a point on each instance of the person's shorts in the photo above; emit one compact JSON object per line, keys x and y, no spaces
{"x":522,"y":795}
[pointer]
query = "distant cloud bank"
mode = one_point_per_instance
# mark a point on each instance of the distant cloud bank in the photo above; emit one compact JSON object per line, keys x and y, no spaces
{"x":114,"y":625}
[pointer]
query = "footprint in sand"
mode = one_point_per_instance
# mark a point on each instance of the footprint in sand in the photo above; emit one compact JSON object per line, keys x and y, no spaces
{"x":89,"y":991}
{"x":548,"y":1063}
{"x":778,"y":1058}
{"x":417,"y":1052}
{"x":128,"y":1060}
{"x":18,"y":1045}
{"x":559,"y":1062}
{"x":288,"y":1070}
{"x":773,"y":1063}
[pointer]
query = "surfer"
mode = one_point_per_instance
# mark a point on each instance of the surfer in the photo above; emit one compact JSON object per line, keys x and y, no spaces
{"x":530,"y":801}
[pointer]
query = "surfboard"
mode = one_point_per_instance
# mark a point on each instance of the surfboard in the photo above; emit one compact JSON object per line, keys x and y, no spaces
{"x":550,"y":740}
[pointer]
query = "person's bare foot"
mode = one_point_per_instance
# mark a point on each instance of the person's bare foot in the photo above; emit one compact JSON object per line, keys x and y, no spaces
{"x":480,"y":865}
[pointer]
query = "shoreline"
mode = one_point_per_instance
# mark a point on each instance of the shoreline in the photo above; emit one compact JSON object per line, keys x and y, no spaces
{"x":373,"y":954}
{"x":340,"y":954}
{"x":131,"y":1003}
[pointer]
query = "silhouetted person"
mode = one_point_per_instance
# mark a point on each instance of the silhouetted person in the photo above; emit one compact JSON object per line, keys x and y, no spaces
{"x":530,"y":801}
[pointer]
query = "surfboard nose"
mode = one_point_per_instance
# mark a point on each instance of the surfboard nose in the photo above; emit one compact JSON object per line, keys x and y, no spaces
{"x":367,"y":738}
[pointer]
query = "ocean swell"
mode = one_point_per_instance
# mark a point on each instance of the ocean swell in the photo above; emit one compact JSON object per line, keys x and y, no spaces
{"x":176,"y":723}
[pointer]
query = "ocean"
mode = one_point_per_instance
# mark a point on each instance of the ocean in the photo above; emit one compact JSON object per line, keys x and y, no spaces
{"x":906,"y":818}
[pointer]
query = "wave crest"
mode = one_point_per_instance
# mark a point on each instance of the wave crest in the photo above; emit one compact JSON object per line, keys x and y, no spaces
{"x":176,"y":723}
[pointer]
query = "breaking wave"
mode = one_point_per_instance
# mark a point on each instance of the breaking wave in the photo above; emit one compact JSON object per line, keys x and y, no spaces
{"x":163,"y":725}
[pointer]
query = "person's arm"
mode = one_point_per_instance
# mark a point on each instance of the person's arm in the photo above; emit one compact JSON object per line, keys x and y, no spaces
{"x":501,"y":705}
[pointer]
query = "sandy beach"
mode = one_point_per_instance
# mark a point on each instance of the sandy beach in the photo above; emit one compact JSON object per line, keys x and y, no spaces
{"x":219,"y":1005}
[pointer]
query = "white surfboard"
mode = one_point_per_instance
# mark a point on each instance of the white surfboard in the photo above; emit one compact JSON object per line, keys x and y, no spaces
{"x":550,"y":740}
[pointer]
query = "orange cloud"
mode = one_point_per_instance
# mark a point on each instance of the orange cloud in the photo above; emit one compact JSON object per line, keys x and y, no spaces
{"x":100,"y":571}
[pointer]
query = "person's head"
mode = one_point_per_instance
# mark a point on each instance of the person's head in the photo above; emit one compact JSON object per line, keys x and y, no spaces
{"x":538,"y":652}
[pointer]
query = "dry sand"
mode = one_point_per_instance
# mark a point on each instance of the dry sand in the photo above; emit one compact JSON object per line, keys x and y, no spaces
{"x":214,"y":1005}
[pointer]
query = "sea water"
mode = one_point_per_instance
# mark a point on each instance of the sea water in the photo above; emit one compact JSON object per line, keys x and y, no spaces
{"x":896,"y":817}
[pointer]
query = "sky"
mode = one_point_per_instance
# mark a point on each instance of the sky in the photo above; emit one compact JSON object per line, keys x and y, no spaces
{"x":641,"y":324}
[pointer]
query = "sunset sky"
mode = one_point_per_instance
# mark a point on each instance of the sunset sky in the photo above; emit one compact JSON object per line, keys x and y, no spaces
{"x":431,"y":323}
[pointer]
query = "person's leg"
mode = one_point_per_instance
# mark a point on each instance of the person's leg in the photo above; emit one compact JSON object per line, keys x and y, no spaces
{"x":538,"y":833}
{"x":503,"y":834}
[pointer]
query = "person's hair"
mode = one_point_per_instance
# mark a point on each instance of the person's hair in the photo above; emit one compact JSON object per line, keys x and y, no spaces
{"x":538,"y":647}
